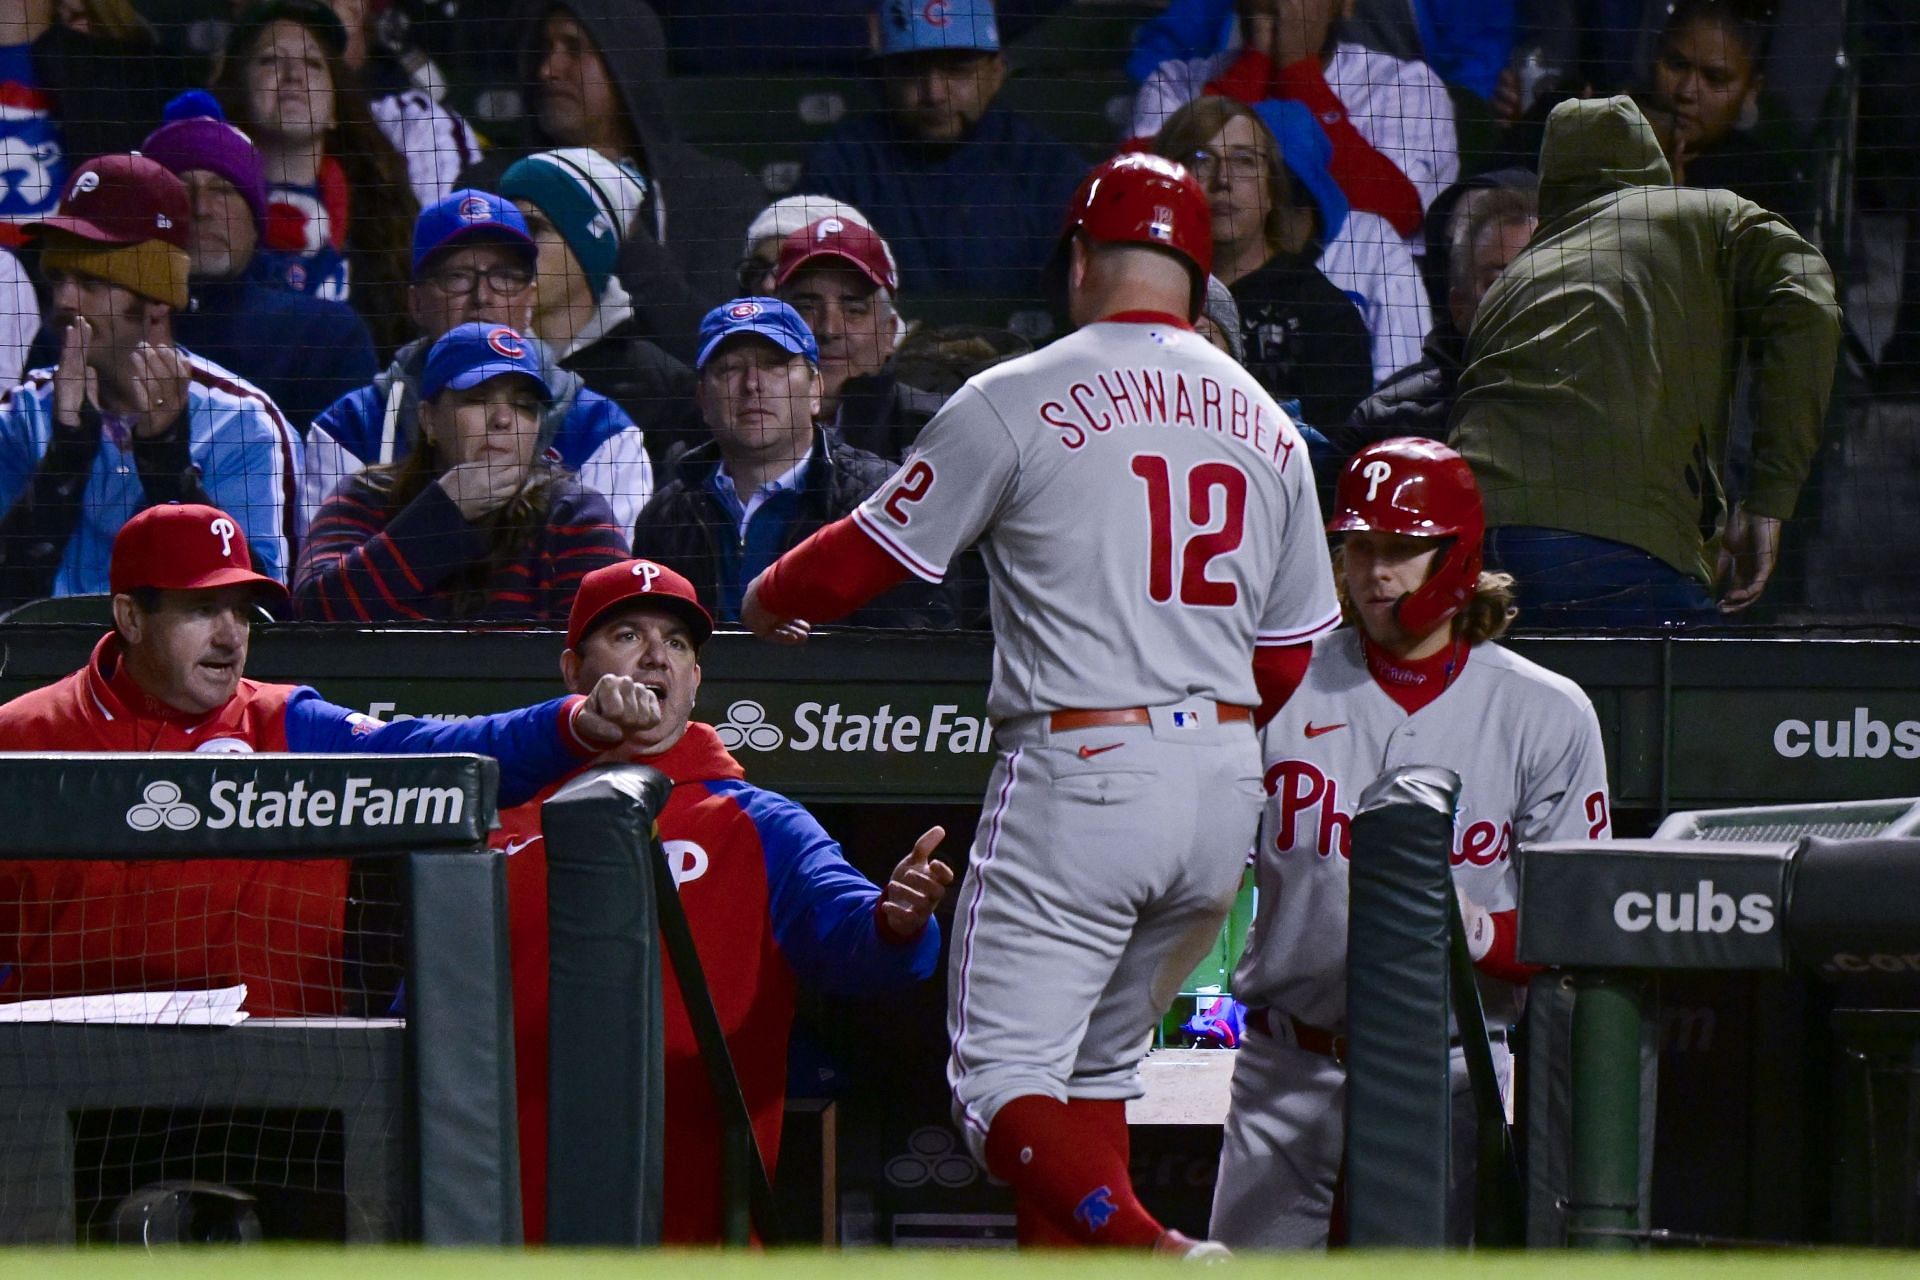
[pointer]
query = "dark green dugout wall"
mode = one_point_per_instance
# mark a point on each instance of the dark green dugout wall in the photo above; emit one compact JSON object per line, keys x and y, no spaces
{"x":901,"y":718}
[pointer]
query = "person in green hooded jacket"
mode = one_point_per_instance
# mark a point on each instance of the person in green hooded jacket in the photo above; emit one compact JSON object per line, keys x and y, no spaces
{"x":1598,"y":392}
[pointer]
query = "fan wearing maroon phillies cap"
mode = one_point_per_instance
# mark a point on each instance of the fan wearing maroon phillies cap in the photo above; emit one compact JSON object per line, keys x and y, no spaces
{"x":1149,"y":525}
{"x":171,"y":676}
{"x":840,"y":276}
{"x":771,"y":899}
{"x":128,"y":418}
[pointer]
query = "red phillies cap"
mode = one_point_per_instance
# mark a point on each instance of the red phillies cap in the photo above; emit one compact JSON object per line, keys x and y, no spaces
{"x":124,"y":199}
{"x":857,"y":246}
{"x":646,"y":580}
{"x":185,"y":547}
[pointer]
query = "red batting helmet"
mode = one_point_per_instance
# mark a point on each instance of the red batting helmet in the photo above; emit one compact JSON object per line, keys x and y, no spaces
{"x":1422,"y":489}
{"x":1149,"y":200}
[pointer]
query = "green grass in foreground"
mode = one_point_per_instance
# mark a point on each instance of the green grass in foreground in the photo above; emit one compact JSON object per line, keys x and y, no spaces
{"x":290,"y":1263}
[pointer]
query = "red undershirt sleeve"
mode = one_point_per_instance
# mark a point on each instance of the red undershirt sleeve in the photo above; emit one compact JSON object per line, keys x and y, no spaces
{"x":828,"y":576}
{"x":1277,"y":672}
{"x":1372,"y":182}
{"x":1500,"y":961}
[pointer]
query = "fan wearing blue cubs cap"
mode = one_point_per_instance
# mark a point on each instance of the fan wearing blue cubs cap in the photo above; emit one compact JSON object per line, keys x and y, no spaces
{"x":473,"y":263}
{"x":767,"y":476}
{"x":967,"y":193}
{"x":477,"y":521}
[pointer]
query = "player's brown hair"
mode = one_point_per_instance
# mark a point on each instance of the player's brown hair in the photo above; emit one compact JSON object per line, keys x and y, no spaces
{"x":1194,"y":125}
{"x":1490,"y":612}
{"x":1486,"y":617}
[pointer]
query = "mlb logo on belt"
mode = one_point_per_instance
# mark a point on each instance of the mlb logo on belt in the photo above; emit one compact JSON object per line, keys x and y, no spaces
{"x":1186,"y":720}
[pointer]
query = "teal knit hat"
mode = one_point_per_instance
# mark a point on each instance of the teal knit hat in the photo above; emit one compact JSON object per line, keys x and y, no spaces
{"x":591,"y":201}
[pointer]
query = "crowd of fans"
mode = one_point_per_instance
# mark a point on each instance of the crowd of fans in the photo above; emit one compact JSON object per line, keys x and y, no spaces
{"x":441,"y":371}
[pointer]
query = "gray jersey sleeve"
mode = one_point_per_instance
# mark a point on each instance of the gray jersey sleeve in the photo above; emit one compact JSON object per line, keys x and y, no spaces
{"x":1566,"y":785}
{"x":1302,"y":603}
{"x":949,"y":489}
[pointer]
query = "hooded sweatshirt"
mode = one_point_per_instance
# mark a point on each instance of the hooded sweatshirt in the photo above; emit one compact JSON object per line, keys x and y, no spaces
{"x":698,"y":207}
{"x":771,"y":903}
{"x":1600,"y":372}
{"x":583,"y":430}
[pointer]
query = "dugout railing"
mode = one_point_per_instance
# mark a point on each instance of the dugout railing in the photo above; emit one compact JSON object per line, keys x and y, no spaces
{"x":413,"y":1118}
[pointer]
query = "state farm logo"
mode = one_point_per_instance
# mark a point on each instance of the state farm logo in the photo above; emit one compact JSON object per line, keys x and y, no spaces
{"x":161,"y":806}
{"x":1702,"y":911}
{"x":248,"y":806}
{"x":1861,"y":738}
{"x":828,"y":726}
{"x":746,"y":726}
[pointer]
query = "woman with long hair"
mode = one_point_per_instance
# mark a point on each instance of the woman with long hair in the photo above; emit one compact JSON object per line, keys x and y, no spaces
{"x":476,"y":522}
{"x":1305,"y":339}
{"x":340,"y":207}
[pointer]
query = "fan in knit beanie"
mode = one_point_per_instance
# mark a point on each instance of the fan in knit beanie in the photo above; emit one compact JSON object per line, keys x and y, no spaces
{"x":591,"y":201}
{"x":196,"y":135}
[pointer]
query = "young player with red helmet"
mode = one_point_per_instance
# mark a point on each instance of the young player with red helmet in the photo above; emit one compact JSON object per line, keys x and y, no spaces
{"x":1415,"y":680}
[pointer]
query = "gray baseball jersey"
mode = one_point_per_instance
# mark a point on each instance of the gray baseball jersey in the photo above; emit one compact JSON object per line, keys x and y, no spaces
{"x":1148,"y":515}
{"x":1526,"y":745}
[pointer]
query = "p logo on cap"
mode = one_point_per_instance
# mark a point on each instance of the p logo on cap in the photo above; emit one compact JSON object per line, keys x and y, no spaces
{"x":86,"y":182}
{"x":646,"y":571}
{"x":185,"y":547}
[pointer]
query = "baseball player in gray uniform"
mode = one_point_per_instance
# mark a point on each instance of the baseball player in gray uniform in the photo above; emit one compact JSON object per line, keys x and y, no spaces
{"x":1150,"y":529}
{"x":1416,"y":680}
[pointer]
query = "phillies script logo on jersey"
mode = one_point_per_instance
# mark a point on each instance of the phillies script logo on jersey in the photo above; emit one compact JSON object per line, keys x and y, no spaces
{"x":1310,"y":800}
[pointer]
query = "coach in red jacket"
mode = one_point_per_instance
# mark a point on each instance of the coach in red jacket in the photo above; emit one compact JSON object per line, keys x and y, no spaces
{"x":771,"y":900}
{"x":170,"y":677}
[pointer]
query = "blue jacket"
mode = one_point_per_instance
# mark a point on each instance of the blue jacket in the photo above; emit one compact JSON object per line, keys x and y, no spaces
{"x":303,"y":351}
{"x":980,"y":217}
{"x":240,"y":454}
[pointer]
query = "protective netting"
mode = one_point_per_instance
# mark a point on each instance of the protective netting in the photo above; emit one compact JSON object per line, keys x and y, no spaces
{"x":201,"y":1051}
{"x":1682,"y":412}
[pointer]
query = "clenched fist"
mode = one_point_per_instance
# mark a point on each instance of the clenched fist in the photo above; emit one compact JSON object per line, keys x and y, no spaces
{"x":617,"y":708}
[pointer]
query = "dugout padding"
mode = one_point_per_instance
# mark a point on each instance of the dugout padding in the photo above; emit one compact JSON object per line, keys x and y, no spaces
{"x":419,"y":1115}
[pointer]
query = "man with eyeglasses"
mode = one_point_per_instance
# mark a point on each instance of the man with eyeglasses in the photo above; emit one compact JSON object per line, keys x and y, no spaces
{"x":473,"y":260}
